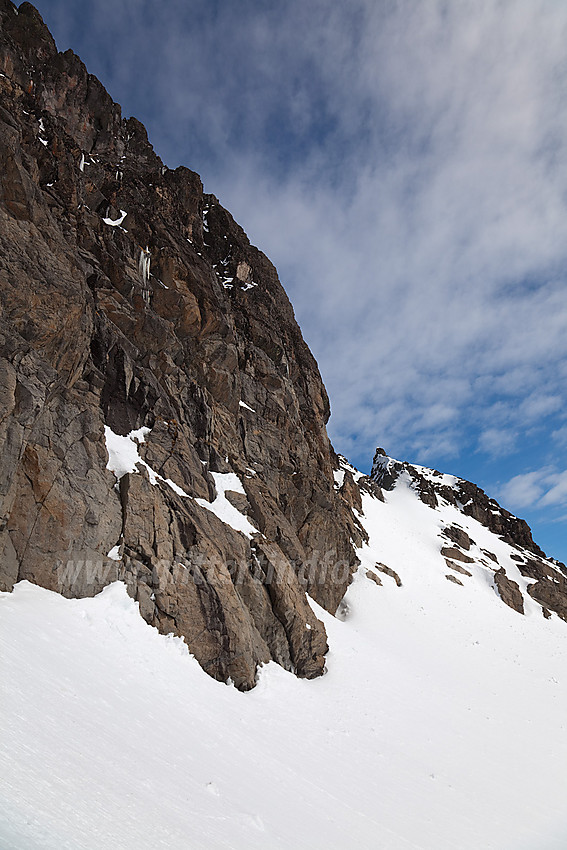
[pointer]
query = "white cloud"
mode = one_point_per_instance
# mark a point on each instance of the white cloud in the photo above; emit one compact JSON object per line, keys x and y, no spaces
{"x":560,"y":436}
{"x":541,"y":488}
{"x":523,"y":491}
{"x":438,"y":270}
{"x":540,"y":405}
{"x":557,"y":493}
{"x":497,"y":441}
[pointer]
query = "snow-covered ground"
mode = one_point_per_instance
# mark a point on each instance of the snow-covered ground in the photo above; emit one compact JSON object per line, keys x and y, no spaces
{"x":440,"y":724}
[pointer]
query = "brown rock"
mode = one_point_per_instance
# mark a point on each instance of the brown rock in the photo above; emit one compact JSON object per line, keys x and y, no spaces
{"x":373,"y":577}
{"x":454,"y":579}
{"x":457,"y":567}
{"x":305,"y":633}
{"x":389,"y":572}
{"x":350,"y":492}
{"x":89,"y":338}
{"x":551,"y":594}
{"x":509,"y":591}
{"x":452,"y":552}
{"x":458,"y":536}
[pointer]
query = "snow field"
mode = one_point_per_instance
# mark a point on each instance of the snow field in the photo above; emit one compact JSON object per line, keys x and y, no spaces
{"x":440,"y":724}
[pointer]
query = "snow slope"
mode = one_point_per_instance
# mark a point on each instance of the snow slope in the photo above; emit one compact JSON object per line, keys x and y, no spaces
{"x":440,"y":724}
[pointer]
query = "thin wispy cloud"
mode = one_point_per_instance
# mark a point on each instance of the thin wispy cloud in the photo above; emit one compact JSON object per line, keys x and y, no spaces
{"x":541,"y":488}
{"x":405,"y":167}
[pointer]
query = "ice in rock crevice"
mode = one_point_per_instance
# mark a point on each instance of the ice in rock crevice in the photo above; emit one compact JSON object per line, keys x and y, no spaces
{"x":117,"y":221}
{"x":144,"y":270}
{"x":43,"y":141}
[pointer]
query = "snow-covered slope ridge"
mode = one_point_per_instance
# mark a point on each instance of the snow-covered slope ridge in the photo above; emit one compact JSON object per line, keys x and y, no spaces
{"x":469,"y":536}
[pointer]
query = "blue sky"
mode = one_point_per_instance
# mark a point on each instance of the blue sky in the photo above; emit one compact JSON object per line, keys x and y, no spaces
{"x":404,"y":165}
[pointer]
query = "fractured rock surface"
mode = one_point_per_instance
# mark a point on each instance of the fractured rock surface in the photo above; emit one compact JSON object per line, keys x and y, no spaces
{"x":129,"y":298}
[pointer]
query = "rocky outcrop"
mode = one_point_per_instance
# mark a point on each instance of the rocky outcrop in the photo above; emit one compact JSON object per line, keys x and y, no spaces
{"x":435,"y":489}
{"x":454,"y":579}
{"x":433,"y":486}
{"x":389,"y":572}
{"x":509,"y":591}
{"x":370,"y":574}
{"x":457,"y":568}
{"x":551,"y":593}
{"x":550,"y":585}
{"x":130,"y":298}
{"x":453,"y":552}
{"x":458,"y":535}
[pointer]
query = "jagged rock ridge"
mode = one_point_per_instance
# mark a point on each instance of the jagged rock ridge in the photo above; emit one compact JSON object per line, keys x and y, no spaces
{"x":546,"y":577}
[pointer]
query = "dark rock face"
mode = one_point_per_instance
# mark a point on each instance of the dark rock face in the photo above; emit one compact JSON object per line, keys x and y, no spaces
{"x":509,"y":591}
{"x":458,"y":535}
{"x":130,"y":298}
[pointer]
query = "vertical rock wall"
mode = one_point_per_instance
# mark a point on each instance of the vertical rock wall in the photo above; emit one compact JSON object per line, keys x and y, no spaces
{"x":129,"y":299}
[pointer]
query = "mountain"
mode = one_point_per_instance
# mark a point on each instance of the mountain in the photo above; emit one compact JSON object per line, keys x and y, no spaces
{"x":163,"y":419}
{"x":164,"y":454}
{"x":464,"y":508}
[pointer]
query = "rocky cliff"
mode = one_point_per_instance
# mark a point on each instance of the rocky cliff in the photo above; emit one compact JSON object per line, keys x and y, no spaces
{"x":131,"y":299}
{"x":162,"y":420}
